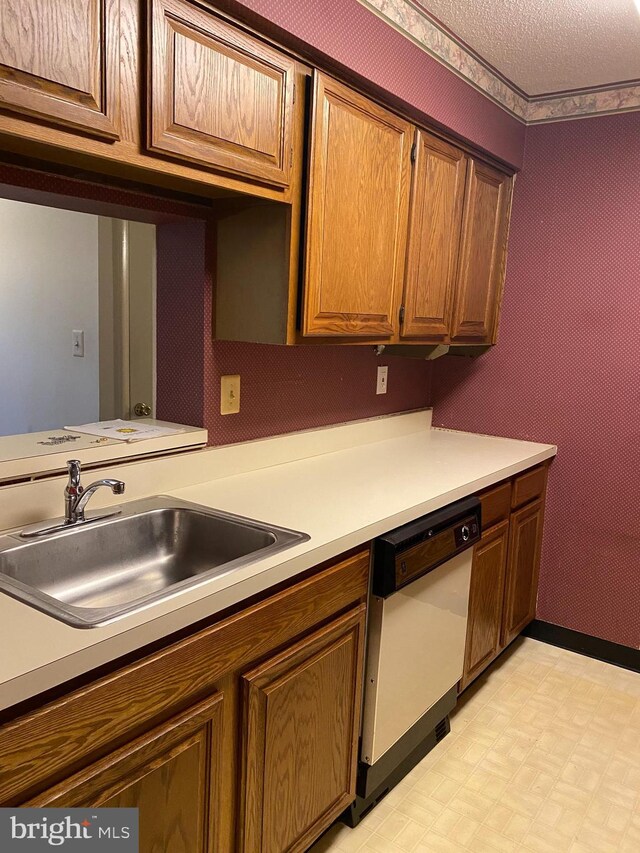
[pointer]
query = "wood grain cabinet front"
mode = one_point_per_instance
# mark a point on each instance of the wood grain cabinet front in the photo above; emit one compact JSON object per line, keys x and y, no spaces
{"x":434,"y":238}
{"x":301,"y":727}
{"x":496,"y":504}
{"x":525,"y":541}
{"x":485,"y":227}
{"x":505,"y":569}
{"x":60,"y":63}
{"x":217,"y":96}
{"x":529,"y":486}
{"x":171,"y":774}
{"x":358,"y":194}
{"x":486,"y":599}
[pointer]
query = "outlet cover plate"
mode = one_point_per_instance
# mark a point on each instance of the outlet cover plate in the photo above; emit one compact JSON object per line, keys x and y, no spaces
{"x":383,"y":376}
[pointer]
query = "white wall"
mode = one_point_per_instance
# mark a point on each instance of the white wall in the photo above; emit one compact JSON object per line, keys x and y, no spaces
{"x":48,"y":287}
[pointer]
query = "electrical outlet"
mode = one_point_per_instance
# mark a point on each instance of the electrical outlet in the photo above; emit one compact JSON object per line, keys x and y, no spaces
{"x":77,"y":338}
{"x":381,"y":384}
{"x":229,"y":394}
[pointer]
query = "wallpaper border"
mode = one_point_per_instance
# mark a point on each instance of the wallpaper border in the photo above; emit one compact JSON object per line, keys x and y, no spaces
{"x":413,"y":21}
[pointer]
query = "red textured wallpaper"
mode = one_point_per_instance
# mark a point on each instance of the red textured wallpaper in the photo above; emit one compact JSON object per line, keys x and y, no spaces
{"x":282,"y":388}
{"x":291,"y":388}
{"x":566,"y":367}
{"x":183,"y":322}
{"x":344,"y":35}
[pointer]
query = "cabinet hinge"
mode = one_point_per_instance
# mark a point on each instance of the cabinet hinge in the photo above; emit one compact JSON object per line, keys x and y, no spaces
{"x":401,"y":314}
{"x":414,"y":152}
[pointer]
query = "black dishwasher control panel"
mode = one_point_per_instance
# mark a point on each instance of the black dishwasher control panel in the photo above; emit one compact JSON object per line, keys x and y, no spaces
{"x":411,"y":551}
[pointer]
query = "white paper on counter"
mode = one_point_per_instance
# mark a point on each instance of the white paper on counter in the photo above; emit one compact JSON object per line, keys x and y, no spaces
{"x":120,"y":430}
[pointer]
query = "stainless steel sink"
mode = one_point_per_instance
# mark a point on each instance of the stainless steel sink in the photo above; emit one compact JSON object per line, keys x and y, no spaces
{"x":153,"y":549}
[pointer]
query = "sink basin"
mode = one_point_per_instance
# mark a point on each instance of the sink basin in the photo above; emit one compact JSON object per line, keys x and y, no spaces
{"x":154,"y":548}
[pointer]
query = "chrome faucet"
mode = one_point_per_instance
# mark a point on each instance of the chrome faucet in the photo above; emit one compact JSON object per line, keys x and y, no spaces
{"x":76,"y":497}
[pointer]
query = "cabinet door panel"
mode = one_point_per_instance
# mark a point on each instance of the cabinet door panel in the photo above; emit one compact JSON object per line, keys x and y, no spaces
{"x":486,"y":599}
{"x":59,"y":61}
{"x":301,"y":725}
{"x":482,"y":257}
{"x":217,"y":96}
{"x":357,"y":215}
{"x":434,"y":238}
{"x":171,"y":775}
{"x":525,"y":540}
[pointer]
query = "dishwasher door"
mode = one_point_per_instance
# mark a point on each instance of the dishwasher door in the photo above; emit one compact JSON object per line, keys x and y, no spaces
{"x":415,"y":653}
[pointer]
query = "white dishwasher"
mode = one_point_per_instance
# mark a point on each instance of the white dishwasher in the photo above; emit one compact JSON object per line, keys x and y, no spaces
{"x":416,"y":639}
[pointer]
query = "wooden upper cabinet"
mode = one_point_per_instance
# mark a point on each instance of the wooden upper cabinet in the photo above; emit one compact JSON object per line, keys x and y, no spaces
{"x":357,"y":215}
{"x":217,"y":96}
{"x":301,"y":727}
{"x":60,"y":62}
{"x":434,"y":237}
{"x":482,"y":255}
{"x":171,"y":774}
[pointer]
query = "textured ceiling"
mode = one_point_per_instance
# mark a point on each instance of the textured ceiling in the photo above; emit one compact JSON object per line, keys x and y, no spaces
{"x":549,"y":45}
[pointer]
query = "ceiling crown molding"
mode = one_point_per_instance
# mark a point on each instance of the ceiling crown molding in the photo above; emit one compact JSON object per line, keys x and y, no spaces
{"x":413,"y":21}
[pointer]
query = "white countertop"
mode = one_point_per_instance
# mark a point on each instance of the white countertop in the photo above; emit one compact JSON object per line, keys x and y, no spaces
{"x":341,"y":498}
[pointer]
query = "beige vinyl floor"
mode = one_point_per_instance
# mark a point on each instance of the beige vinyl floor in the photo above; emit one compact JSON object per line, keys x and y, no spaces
{"x":543,"y":756}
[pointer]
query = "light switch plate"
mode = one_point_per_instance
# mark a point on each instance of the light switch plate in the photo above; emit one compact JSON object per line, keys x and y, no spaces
{"x":381,"y":384}
{"x":77,"y":338}
{"x":230,"y":394}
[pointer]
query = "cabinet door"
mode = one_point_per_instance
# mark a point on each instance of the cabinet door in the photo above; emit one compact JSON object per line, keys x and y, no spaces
{"x":59,"y":62}
{"x":217,"y":96}
{"x":171,"y":775}
{"x":486,"y":599}
{"x":482,"y":256}
{"x":301,"y":726}
{"x":525,"y":540}
{"x":434,"y":238}
{"x":357,"y":215}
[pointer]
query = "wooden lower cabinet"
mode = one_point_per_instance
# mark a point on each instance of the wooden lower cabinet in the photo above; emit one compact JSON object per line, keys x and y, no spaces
{"x":241,"y":736}
{"x":525,"y":540}
{"x":171,"y":775}
{"x":506,"y":564}
{"x":301,"y":724}
{"x":486,"y":598}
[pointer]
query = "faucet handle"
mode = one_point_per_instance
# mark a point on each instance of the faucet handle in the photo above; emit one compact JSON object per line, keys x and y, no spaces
{"x":75,"y":469}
